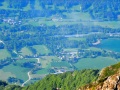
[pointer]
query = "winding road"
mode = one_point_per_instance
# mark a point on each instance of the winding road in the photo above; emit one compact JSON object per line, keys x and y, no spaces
{"x":29,"y":77}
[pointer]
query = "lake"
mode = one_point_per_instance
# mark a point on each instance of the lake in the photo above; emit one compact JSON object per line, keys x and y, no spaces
{"x":112,"y":44}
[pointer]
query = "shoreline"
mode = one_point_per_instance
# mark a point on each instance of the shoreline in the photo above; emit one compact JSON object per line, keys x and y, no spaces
{"x":96,"y":43}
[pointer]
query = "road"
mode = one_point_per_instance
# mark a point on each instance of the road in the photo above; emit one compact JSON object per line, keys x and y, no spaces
{"x":29,"y":77}
{"x":38,"y":60}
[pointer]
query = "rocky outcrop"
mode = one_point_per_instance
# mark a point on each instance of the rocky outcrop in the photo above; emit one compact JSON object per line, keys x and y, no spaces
{"x":112,"y":83}
{"x":109,"y":79}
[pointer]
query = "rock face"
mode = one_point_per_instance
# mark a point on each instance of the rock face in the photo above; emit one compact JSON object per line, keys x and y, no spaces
{"x":109,"y":79}
{"x":111,"y":83}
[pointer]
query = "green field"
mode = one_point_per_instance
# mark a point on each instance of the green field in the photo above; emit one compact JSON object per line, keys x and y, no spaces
{"x":72,"y":18}
{"x":51,"y":62}
{"x":70,"y":49}
{"x":42,"y":71}
{"x":47,"y":21}
{"x":60,"y":64}
{"x":26,"y":60}
{"x":5,"y":6}
{"x":4,"y":54}
{"x":18,"y":71}
{"x":110,"y":24}
{"x":46,"y":60}
{"x":76,"y":16}
{"x":76,"y":7}
{"x":95,"y":63}
{"x":26,"y":51}
{"x":94,"y":49}
{"x":76,"y":39}
{"x":5,"y":75}
{"x":46,"y":63}
{"x":41,"y":49}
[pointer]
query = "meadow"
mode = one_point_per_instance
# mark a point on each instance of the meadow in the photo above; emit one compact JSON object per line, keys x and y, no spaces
{"x":4,"y":75}
{"x":41,"y":49}
{"x":4,"y":53}
{"x":17,"y":70}
{"x":46,"y":63}
{"x":26,"y":51}
{"x":60,"y":64}
{"x":95,"y":63}
{"x":76,"y":39}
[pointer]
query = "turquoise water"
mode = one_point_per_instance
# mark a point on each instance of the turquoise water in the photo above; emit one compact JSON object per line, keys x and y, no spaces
{"x":110,"y":44}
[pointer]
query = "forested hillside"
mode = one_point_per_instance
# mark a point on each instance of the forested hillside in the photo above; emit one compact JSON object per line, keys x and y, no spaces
{"x":65,"y":81}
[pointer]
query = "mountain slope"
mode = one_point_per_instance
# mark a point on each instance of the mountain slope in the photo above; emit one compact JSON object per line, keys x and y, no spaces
{"x":65,"y":81}
{"x":109,"y":79}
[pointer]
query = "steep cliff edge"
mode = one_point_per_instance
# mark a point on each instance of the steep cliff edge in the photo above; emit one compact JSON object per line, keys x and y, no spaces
{"x":109,"y":79}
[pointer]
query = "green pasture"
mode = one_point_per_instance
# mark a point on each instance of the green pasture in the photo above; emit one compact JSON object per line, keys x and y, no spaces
{"x":21,"y":61}
{"x":5,"y":75}
{"x":26,"y":51}
{"x":46,"y":61}
{"x":4,"y":53}
{"x":70,"y":49}
{"x":43,"y":71}
{"x":109,"y":24}
{"x":76,"y":39}
{"x":60,"y":64}
{"x":76,"y":16}
{"x":95,"y":63}
{"x":18,"y":71}
{"x":41,"y":49}
{"x":94,"y":49}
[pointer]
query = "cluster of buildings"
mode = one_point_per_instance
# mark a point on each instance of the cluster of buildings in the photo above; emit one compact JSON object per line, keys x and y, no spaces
{"x":71,"y":56}
{"x":12,"y":21}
